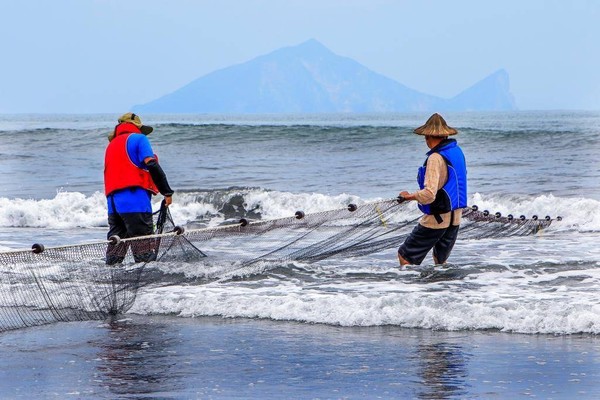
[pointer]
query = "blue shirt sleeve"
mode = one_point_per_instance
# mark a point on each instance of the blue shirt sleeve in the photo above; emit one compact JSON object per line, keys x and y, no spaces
{"x":138,"y":149}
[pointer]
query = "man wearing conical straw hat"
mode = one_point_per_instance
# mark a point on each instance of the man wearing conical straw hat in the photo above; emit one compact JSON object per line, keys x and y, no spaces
{"x":441,"y":196}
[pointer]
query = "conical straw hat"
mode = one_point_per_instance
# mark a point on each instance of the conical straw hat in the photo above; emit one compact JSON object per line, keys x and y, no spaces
{"x":435,"y":126}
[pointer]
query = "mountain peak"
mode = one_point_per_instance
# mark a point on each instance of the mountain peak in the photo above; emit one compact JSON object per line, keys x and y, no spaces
{"x":500,"y":72}
{"x":311,"y":43}
{"x":490,"y":93}
{"x":311,"y":47}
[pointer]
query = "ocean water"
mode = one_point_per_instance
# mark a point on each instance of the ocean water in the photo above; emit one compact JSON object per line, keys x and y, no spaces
{"x":524,"y":302}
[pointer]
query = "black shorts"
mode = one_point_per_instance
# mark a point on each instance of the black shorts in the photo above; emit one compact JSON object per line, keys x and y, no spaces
{"x":133,"y":224}
{"x":129,"y":225}
{"x":422,"y":239}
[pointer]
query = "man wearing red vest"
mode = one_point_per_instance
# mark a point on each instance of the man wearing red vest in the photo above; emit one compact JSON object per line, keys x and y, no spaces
{"x":131,"y":176}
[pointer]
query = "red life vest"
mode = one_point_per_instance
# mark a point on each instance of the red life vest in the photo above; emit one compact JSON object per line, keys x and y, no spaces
{"x":119,"y":171}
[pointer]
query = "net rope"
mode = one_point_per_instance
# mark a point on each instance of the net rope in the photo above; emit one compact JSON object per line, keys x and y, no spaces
{"x":74,"y":283}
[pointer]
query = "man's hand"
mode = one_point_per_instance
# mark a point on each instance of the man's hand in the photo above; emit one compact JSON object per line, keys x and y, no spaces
{"x":168,"y":200}
{"x":407,"y":196}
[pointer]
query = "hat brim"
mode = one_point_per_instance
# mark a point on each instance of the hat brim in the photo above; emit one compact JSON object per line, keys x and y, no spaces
{"x":146,"y":130}
{"x":438,"y":134}
{"x":432,"y":131}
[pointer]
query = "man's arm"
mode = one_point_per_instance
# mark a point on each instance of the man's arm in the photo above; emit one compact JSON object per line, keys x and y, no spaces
{"x":433,"y":181}
{"x":160,"y":178}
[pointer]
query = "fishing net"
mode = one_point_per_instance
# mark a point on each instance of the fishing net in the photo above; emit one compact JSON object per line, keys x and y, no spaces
{"x":91,"y":281}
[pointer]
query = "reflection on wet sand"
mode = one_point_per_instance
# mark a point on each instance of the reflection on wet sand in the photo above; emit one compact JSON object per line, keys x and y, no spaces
{"x":136,"y":359}
{"x":443,"y":370}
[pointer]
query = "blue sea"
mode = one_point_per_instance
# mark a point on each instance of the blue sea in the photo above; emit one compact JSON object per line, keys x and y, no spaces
{"x":520,"y":317}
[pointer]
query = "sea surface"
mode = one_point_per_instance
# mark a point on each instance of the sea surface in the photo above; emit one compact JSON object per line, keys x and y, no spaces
{"x":515,"y":317}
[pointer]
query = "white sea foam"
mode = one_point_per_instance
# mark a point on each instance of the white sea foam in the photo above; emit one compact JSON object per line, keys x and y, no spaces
{"x":274,"y":204}
{"x":65,"y":210}
{"x":500,"y":301}
{"x":76,"y":210}
{"x":577,"y":213}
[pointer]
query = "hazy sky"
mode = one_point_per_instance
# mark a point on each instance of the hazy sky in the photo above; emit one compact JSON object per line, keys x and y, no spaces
{"x":85,"y":56}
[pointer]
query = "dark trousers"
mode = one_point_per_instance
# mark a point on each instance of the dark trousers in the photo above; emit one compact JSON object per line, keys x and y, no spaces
{"x":129,"y":225}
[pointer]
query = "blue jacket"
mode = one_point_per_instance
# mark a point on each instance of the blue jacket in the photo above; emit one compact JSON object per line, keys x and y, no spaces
{"x":453,"y":195}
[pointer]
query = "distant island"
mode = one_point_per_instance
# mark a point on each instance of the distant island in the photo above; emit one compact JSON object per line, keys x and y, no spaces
{"x":310,"y":78}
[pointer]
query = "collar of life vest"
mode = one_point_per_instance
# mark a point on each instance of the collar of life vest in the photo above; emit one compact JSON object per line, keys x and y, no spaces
{"x":126,"y":127}
{"x":447,"y":143}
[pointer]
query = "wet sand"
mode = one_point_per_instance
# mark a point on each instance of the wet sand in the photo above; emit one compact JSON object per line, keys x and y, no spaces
{"x":215,"y":358}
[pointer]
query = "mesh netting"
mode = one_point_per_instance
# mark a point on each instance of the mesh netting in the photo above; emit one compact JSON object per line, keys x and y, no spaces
{"x":75,"y":283}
